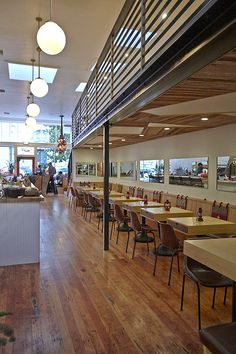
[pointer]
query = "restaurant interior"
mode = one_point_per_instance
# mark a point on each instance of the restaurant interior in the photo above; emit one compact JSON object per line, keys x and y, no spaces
{"x":132,"y":248}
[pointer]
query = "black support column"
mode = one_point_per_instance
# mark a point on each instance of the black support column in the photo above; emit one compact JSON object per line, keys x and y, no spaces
{"x":106,"y":186}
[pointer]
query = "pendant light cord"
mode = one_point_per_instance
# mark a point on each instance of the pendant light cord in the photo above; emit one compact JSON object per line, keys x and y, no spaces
{"x":50,"y":11}
{"x":61,"y":124}
{"x":39,"y":50}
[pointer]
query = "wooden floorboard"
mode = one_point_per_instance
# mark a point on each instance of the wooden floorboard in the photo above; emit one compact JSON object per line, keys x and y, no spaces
{"x":81,"y":299}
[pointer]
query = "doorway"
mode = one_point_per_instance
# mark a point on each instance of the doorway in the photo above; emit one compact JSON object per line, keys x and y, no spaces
{"x":25,"y":165}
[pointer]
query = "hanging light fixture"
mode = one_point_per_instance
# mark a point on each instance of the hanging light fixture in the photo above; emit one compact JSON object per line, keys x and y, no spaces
{"x":31,"y":123}
{"x":39,"y":87}
{"x":61,"y":146}
{"x":50,"y":37}
{"x":32,"y":108}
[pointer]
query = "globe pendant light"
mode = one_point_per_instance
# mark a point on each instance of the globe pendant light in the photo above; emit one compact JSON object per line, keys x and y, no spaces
{"x":39,"y":87}
{"x":50,"y":37}
{"x":61,"y":146}
{"x":31,"y":123}
{"x":32,"y":109}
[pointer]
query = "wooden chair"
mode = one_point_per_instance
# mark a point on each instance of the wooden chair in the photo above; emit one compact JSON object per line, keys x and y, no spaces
{"x":72,"y":199}
{"x":131,"y":191}
{"x":203,"y":276}
{"x":141,"y":229}
{"x":122,"y":224}
{"x":169,"y":246}
{"x":220,"y":211}
{"x":156,"y":196}
{"x":181,"y":201}
{"x":139,"y":193}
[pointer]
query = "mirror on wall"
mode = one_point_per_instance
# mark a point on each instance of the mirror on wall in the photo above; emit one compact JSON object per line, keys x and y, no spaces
{"x":189,"y":171}
{"x":226,"y":173}
{"x":113,"y":169}
{"x":152,"y":171}
{"x":100,"y":169}
{"x":128,"y":170}
{"x":85,"y":169}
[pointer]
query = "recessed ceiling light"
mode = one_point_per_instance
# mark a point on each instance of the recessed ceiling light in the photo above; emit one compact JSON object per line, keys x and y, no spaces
{"x":105,"y":77}
{"x":88,"y":95}
{"x":126,"y":55}
{"x":99,"y":146}
{"x":110,"y":143}
{"x":24,"y":72}
{"x":164,"y":16}
{"x":204,"y":118}
{"x":122,"y":139}
{"x":91,"y":148}
{"x":141,"y":134}
{"x":167,"y":128}
{"x":93,"y":67}
{"x":81,"y":87}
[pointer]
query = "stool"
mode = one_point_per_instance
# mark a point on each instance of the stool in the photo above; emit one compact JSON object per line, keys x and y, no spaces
{"x":220,"y":339}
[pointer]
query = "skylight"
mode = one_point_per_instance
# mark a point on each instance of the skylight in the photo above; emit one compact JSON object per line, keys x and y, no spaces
{"x":81,"y":87}
{"x":24,"y":72}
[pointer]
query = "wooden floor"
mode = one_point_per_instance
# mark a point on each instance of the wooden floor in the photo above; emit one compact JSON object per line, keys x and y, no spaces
{"x":80,"y":299}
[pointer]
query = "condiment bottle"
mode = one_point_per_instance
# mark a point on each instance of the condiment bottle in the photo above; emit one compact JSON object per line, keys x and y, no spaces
{"x":127,"y":195}
{"x":167,"y":205}
{"x":94,"y":187}
{"x":199,"y":215}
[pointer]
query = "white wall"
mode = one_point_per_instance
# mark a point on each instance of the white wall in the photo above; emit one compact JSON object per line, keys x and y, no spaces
{"x":211,"y":142}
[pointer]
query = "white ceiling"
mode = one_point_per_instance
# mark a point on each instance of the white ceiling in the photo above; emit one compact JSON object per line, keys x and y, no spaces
{"x":87,"y":24}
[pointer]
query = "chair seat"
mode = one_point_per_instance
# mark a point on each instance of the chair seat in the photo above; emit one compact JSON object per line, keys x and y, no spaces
{"x":220,"y":339}
{"x":208,"y":277}
{"x":143,"y":238}
{"x":164,"y":251}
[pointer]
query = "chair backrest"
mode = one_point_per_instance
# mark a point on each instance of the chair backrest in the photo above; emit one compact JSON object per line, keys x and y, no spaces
{"x":119,"y":216}
{"x":86,"y":197}
{"x":181,"y":201}
{"x":156,"y":196}
{"x":134,"y":221}
{"x":219,"y":210}
{"x":139,"y":193}
{"x":72,"y":192}
{"x":131,"y":191}
{"x":167,"y":235}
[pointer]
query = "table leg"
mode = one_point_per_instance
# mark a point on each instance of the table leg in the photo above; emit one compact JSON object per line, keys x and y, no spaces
{"x":142,"y":236}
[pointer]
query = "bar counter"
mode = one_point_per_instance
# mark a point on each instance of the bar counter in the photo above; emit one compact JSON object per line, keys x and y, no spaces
{"x":20,"y":230}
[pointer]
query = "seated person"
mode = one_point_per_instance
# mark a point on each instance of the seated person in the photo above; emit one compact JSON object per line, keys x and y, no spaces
{"x":199,"y":169}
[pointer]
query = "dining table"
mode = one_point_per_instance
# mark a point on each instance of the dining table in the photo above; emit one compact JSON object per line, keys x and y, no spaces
{"x":100,"y":194}
{"x":190,"y":226}
{"x":120,"y":200}
{"x":88,"y":189}
{"x":161,"y":214}
{"x":217,"y":254}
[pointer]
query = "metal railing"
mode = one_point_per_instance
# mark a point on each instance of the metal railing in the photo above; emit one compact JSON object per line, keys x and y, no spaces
{"x":144,"y":29}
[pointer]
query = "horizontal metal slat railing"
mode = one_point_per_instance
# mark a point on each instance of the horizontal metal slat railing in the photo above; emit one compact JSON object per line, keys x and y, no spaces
{"x":143,"y":29}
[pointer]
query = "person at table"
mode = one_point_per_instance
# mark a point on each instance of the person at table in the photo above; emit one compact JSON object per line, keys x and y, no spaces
{"x":51,"y":185}
{"x":199,"y":169}
{"x":59,"y":178}
{"x":39,"y":170}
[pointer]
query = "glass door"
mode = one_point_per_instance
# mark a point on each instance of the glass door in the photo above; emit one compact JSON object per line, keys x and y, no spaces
{"x":25,"y":165}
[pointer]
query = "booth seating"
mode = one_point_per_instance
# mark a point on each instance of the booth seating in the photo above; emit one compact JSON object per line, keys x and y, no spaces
{"x":220,"y":339}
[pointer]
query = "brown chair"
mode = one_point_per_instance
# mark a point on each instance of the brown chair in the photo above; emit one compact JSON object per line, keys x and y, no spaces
{"x":169,"y":246}
{"x":100,"y":213}
{"x":131,"y":191}
{"x":181,"y":201}
{"x":219,"y":339}
{"x":220,"y":211}
{"x":141,"y":232}
{"x":139,"y":193}
{"x":93,"y":206}
{"x":122,"y":224}
{"x":203,"y":276}
{"x":156,"y":196}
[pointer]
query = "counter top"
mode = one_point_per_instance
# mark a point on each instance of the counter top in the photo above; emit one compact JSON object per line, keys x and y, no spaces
{"x":22,"y":199}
